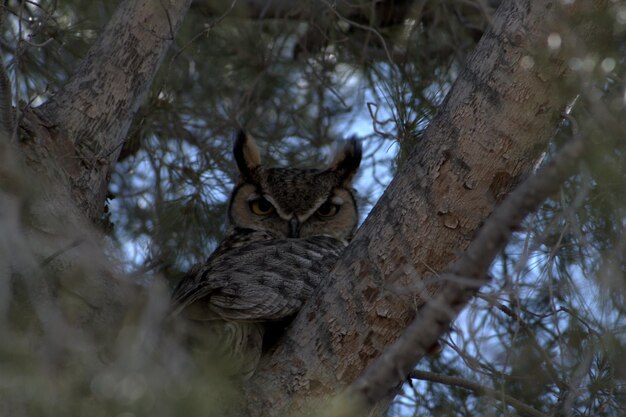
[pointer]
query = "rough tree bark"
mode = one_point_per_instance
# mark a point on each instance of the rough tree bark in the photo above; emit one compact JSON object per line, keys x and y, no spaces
{"x":498,"y":118}
{"x":87,"y":121}
{"x":458,"y":283}
{"x":487,"y":137}
{"x":70,"y":143}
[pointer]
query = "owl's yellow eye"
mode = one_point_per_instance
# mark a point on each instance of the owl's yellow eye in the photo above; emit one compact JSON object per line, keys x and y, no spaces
{"x":261,"y":207}
{"x":327,"y":209}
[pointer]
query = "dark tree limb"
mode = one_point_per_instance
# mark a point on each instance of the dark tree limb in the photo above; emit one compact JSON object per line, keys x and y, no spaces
{"x":478,"y":389}
{"x":7,"y":121}
{"x":492,"y":127}
{"x":532,"y":338}
{"x":7,"y":117}
{"x":92,"y":113}
{"x":69,"y":145}
{"x":434,"y":318}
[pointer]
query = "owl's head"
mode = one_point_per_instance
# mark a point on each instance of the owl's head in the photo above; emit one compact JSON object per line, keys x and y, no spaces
{"x":290,"y":202}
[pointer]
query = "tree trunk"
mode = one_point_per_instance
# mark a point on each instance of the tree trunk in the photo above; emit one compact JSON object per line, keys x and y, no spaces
{"x":70,"y":143}
{"x":488,"y":135}
{"x":89,"y":118}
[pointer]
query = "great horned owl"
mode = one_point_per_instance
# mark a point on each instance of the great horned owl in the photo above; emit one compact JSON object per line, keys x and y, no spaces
{"x":287,"y":228}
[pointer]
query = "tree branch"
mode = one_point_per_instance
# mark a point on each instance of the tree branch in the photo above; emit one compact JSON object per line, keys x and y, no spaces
{"x":478,"y":389}
{"x":7,"y":117}
{"x":498,"y":117}
{"x":433,"y":319}
{"x":94,"y":110}
{"x":70,"y":145}
{"x":531,"y":337}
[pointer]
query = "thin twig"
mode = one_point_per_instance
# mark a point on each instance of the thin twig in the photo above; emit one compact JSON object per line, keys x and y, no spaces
{"x":207,"y":29}
{"x":366,"y":28}
{"x":60,"y":252}
{"x":478,"y":389}
{"x":7,"y":118}
{"x":531,"y":336}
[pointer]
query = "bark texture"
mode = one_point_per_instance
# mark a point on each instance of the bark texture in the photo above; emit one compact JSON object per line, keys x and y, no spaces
{"x":462,"y":280}
{"x":70,"y":144}
{"x":90,"y":116}
{"x":493,"y":126}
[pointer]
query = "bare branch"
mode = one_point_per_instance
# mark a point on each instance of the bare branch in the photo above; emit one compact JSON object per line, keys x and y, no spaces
{"x":478,"y":389}
{"x":531,"y":337}
{"x":94,"y":110}
{"x":7,"y":117}
{"x":485,"y":139}
{"x":433,"y":319}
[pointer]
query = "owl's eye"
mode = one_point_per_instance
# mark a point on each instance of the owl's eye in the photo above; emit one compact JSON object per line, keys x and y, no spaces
{"x":261,"y":207}
{"x":327,"y":209}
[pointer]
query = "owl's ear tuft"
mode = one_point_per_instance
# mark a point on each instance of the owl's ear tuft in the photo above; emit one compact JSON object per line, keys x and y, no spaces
{"x":346,"y":160}
{"x":246,"y":153}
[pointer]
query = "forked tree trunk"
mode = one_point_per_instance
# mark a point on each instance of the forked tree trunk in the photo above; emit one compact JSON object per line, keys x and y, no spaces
{"x":71,"y":143}
{"x":489,"y":133}
{"x":87,"y":121}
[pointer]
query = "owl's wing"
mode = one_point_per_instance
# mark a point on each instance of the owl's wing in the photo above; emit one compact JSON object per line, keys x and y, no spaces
{"x":267,"y":280}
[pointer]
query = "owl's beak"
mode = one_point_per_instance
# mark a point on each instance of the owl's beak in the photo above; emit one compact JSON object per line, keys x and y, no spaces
{"x":294,"y":227}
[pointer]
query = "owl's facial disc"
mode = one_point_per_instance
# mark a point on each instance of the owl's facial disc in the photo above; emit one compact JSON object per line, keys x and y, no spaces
{"x":291,"y":202}
{"x":332,"y":213}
